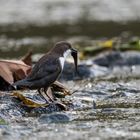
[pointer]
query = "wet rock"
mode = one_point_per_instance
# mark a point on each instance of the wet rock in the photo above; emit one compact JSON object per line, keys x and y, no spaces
{"x":109,"y":59}
{"x":117,"y":58}
{"x":54,"y":118}
{"x":46,"y":110}
{"x":10,"y":108}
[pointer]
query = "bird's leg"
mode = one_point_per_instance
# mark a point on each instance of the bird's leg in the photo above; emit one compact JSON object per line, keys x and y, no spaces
{"x":43,"y":94}
{"x":39,"y":90}
{"x":49,"y":93}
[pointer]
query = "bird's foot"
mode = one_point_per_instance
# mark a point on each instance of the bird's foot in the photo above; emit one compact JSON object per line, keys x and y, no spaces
{"x":59,"y":87}
{"x":47,"y":94}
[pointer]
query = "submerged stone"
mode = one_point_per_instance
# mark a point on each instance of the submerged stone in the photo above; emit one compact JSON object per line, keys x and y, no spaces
{"x":43,"y":110}
{"x":54,"y":118}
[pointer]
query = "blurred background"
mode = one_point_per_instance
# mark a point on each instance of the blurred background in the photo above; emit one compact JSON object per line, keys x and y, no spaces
{"x":38,"y":24}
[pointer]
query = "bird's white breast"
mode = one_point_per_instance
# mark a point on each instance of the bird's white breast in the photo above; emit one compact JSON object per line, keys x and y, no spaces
{"x":62,"y":59}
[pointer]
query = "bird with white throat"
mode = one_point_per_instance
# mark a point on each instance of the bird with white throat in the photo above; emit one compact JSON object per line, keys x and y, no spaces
{"x":48,"y":69}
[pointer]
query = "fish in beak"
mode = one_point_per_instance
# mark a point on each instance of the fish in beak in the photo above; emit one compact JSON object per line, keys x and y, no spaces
{"x":75,"y":57}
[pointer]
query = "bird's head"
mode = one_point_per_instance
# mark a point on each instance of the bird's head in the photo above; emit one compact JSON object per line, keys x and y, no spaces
{"x":64,"y":49}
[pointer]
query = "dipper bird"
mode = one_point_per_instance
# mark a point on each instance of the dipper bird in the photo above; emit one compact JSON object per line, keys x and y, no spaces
{"x":48,"y":69}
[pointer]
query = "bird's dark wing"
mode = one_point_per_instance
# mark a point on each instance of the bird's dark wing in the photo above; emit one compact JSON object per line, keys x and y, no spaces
{"x":45,"y":68}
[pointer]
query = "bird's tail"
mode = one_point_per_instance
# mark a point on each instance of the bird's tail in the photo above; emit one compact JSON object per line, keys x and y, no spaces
{"x":21,"y":84}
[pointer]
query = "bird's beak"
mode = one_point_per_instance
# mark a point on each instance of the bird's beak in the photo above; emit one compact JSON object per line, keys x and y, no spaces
{"x":75,"y":55}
